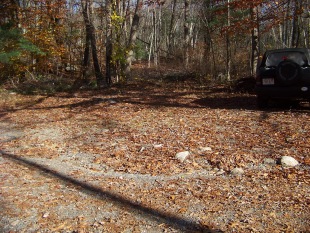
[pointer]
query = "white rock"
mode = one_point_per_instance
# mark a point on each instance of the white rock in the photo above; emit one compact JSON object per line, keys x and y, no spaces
{"x":202,"y":150}
{"x":156,"y":146}
{"x":112,"y":101}
{"x":182,"y":156}
{"x":45,"y":215}
{"x":237,"y":171}
{"x":220,"y":172}
{"x":15,"y":223}
{"x":288,"y":161}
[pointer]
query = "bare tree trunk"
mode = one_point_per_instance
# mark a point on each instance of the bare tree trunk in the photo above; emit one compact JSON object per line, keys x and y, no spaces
{"x":159,"y":29}
{"x":295,"y":25}
{"x":109,"y":42}
{"x":155,"y":57}
{"x":280,"y":35}
{"x":171,"y":31}
{"x":86,"y":58}
{"x":186,"y":33}
{"x":228,"y":53}
{"x":209,"y":48}
{"x":255,"y":40}
{"x":305,"y":22}
{"x":132,"y":38}
{"x":150,"y":49}
{"x":286,"y":37}
{"x":213,"y":66}
{"x":90,"y":32}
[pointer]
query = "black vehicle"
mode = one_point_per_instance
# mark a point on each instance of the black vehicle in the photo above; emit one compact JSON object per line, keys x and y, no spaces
{"x":283,"y":74}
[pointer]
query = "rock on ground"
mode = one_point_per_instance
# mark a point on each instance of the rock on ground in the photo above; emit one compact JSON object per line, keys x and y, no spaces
{"x":237,"y":171}
{"x":288,"y":161}
{"x":182,"y":156}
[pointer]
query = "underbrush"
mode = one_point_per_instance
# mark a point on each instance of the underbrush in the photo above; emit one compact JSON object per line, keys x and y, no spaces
{"x":48,"y":84}
{"x":143,"y":76}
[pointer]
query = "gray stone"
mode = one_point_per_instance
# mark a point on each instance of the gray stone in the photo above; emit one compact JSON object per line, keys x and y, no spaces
{"x":112,"y":101}
{"x":288,"y":161}
{"x":237,"y":171}
{"x":203,"y":150}
{"x":269,"y":161}
{"x":182,"y":156}
{"x":220,"y":172}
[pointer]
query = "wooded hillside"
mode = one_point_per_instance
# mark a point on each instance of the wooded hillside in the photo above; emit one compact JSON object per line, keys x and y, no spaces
{"x":98,"y":41}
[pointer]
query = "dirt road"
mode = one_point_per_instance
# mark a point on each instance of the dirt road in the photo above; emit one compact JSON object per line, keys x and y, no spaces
{"x":93,"y":162}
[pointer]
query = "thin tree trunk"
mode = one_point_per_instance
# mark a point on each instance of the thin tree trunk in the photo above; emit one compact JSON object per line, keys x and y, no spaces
{"x":228,"y":53}
{"x":86,"y":58}
{"x":286,"y":38}
{"x":255,"y":40}
{"x":306,"y":22}
{"x":209,"y":48}
{"x":295,"y":25}
{"x":213,"y":66}
{"x":90,"y":31}
{"x":132,"y":38}
{"x":186,"y":33}
{"x":150,"y":49}
{"x":155,"y":38}
{"x":159,"y":33}
{"x":109,"y":42}
{"x":280,"y":35}
{"x":171,"y":31}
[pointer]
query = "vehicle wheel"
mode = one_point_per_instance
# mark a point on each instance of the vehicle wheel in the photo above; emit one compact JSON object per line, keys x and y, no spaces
{"x":294,"y":104}
{"x":288,"y":72}
{"x":262,"y":102}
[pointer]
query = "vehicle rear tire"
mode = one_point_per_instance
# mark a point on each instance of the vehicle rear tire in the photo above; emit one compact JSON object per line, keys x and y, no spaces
{"x":262,"y":102}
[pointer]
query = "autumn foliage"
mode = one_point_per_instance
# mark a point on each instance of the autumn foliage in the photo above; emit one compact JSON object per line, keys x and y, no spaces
{"x":43,"y":38}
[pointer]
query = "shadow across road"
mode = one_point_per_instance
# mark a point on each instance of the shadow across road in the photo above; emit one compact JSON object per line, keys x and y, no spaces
{"x":177,"y":222}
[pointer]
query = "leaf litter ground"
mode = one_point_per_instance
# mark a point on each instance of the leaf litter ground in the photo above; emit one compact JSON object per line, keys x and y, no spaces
{"x":105,"y":162}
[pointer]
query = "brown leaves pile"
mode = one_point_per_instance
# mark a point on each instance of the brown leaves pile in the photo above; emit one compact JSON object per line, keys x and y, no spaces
{"x":145,"y":128}
{"x":138,"y":129}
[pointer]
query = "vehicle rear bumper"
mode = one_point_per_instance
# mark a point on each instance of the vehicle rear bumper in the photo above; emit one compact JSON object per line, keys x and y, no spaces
{"x":296,"y":92}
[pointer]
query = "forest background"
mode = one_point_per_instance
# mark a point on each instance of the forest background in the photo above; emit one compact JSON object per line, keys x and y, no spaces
{"x":153,"y":151}
{"x":98,"y":41}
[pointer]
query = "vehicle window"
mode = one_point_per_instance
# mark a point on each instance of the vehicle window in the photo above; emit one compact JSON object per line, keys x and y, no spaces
{"x":275,"y":58}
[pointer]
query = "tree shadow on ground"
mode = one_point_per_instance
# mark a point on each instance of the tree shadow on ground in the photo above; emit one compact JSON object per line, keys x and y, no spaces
{"x":248,"y":102}
{"x":177,"y":222}
{"x":186,"y":94}
{"x":228,"y":102}
{"x":24,"y":105}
